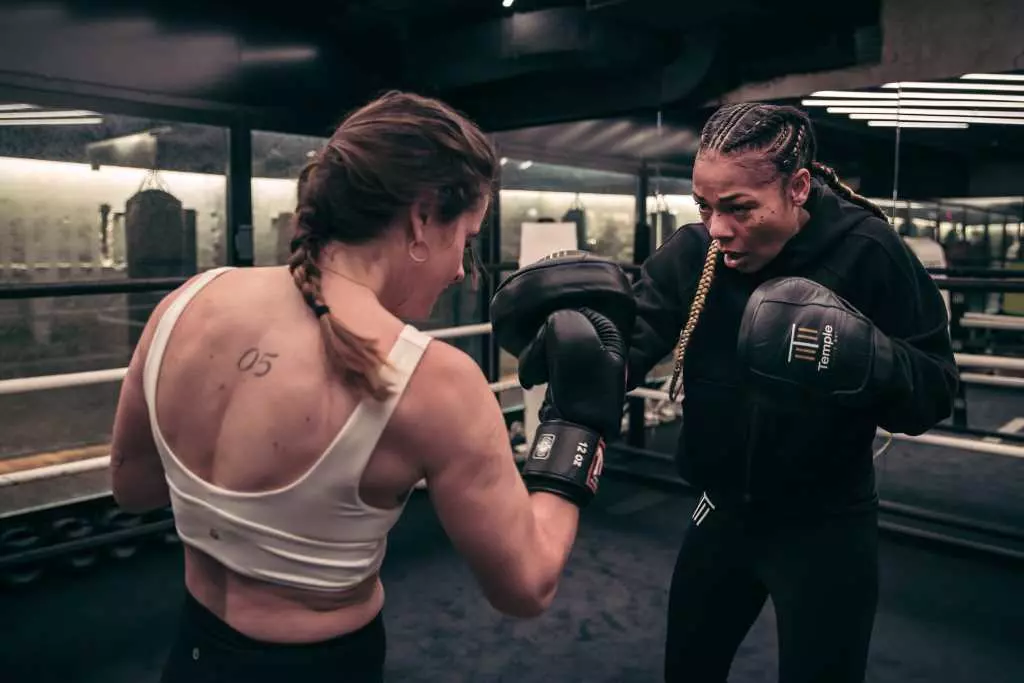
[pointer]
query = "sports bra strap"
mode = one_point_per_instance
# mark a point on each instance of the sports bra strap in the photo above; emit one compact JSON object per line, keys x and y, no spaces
{"x":163,"y":332}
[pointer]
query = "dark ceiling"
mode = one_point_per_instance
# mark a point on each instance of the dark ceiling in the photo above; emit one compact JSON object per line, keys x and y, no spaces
{"x":583,"y":81}
{"x":540,"y":61}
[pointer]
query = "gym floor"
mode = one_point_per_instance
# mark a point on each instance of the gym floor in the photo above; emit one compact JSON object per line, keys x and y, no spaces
{"x":942,"y":618}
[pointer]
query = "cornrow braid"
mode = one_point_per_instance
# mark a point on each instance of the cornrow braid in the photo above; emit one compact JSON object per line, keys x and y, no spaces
{"x":356,"y":359}
{"x":831,"y":178}
{"x":721,"y":125}
{"x":696,"y":308}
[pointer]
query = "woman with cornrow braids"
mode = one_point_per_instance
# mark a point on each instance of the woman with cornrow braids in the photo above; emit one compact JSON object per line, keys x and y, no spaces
{"x":800,"y":323}
{"x":286,"y":413}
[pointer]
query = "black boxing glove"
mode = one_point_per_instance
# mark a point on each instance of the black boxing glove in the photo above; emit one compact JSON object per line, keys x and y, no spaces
{"x":799,"y":341}
{"x":582,"y":357}
{"x":567,"y":319}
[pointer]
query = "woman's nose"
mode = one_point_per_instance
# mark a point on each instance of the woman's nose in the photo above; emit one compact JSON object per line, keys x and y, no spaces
{"x":721,"y":229}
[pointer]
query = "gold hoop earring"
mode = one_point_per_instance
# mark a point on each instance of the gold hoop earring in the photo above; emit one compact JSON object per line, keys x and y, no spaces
{"x":412,"y":251}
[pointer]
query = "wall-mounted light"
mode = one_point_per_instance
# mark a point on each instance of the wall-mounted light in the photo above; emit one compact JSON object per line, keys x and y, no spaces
{"x":71,"y":113}
{"x":525,"y":165}
{"x":504,"y":160}
{"x":52,"y":122}
{"x":507,"y":3}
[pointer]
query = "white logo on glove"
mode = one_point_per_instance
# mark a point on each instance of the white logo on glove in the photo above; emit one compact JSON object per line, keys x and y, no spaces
{"x":544,"y":445}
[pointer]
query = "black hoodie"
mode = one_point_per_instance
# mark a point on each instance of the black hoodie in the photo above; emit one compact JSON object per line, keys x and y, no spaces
{"x":821,"y":457}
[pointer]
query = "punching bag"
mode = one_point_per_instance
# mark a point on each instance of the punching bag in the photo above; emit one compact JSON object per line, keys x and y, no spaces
{"x":662,"y":220}
{"x":160,"y":239}
{"x":577,"y":214}
{"x":157,"y":236}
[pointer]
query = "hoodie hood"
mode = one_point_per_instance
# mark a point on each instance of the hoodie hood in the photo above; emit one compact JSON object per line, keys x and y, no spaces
{"x":832,"y":217}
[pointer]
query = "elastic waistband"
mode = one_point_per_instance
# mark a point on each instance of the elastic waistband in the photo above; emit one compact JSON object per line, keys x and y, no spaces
{"x":197,"y":617}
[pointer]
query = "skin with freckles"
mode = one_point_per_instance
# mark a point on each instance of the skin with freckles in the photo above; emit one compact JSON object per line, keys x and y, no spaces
{"x":750,"y":208}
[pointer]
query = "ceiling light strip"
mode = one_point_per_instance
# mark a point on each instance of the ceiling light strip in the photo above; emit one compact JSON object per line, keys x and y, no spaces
{"x":927,"y":112}
{"x":915,"y":103}
{"x":993,"y":77}
{"x":950,"y":119}
{"x":916,"y":124}
{"x":930,"y":85}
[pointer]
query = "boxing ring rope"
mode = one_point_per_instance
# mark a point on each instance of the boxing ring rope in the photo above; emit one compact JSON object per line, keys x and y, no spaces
{"x":22,"y":385}
{"x":77,"y":379}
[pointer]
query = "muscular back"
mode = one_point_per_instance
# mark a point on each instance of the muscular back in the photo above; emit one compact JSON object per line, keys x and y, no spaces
{"x":246,"y":400}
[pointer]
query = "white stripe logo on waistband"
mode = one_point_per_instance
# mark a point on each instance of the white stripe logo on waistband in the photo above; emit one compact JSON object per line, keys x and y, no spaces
{"x":704,"y":507}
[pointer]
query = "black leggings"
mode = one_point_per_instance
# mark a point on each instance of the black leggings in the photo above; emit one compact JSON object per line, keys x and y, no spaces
{"x":207,"y":650}
{"x":822,"y":576}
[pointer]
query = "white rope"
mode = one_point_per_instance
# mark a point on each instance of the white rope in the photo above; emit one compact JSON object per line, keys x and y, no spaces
{"x":974,"y":445}
{"x":969,"y":360}
{"x":23,"y":385}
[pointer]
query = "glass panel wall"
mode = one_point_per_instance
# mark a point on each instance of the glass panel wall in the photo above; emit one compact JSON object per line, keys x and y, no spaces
{"x":277,"y":160}
{"x":88,"y":196}
{"x":601,"y":203}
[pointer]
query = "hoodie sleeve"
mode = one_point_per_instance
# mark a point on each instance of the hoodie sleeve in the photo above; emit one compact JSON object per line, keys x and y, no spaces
{"x":909,"y":309}
{"x":663,"y":291}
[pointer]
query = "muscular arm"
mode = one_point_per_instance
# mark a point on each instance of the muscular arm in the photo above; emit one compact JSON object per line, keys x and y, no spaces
{"x":136,"y":472}
{"x":663,"y":291}
{"x":910,"y":310}
{"x":515,"y":543}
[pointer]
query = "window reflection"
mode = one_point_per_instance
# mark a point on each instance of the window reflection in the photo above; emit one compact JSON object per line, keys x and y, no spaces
{"x":92,"y":196}
{"x":601,"y":203}
{"x":277,"y":160}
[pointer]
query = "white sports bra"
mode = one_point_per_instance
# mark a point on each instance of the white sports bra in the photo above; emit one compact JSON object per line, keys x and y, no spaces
{"x":314,"y":533}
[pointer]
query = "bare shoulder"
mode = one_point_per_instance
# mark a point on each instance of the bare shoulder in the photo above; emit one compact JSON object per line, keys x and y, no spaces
{"x":449,"y":381}
{"x":449,"y":407}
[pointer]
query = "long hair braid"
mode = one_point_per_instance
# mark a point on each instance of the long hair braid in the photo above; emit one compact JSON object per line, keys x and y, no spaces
{"x":356,"y":359}
{"x":831,"y":178}
{"x":696,"y":308}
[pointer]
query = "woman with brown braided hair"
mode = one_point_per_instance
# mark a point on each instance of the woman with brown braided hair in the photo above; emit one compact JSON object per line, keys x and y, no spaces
{"x":287,"y":412}
{"x":788,"y":503}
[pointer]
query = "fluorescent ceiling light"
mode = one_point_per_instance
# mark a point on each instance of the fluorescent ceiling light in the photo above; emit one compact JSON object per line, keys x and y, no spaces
{"x":928,"y":112}
{"x":46,"y":114}
{"x":915,"y":124}
{"x":51,"y":122}
{"x":972,"y":97}
{"x":857,"y":94}
{"x":962,"y":96}
{"x":507,"y":3}
{"x":948,"y":119}
{"x":955,"y":86}
{"x":993,"y":77}
{"x":16,"y":107}
{"x":919,"y":103}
